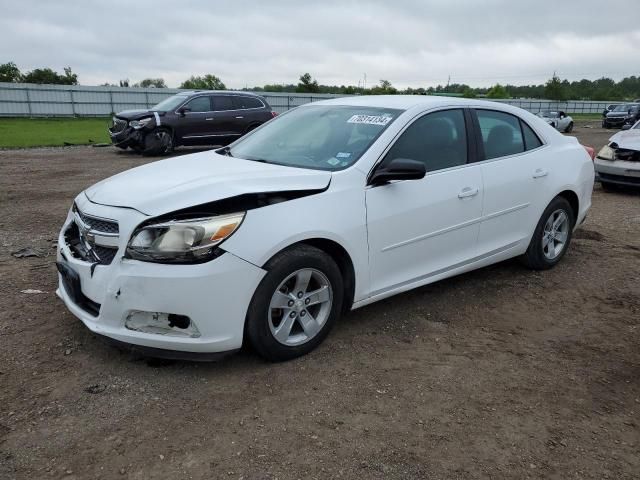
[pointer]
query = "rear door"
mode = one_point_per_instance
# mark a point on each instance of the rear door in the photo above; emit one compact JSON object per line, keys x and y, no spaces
{"x":421,"y":228}
{"x":515,"y":169}
{"x":228,"y":120}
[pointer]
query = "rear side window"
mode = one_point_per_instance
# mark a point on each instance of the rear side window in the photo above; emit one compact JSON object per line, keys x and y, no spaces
{"x":501,"y":133}
{"x":438,"y":139}
{"x":244,"y":103}
{"x":531,"y":140}
{"x":199,"y":104}
{"x":221,"y":104}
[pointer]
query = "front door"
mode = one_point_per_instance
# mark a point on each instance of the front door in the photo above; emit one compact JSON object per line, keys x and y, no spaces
{"x":420,"y":228}
{"x":194,"y":126}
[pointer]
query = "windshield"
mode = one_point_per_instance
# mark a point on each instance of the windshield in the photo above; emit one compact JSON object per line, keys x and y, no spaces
{"x":623,"y":108}
{"x":548,"y":114}
{"x":319,"y":137}
{"x":169,"y":103}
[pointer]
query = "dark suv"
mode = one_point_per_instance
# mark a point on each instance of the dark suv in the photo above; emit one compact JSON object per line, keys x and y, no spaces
{"x":623,"y":114}
{"x":190,"y":118}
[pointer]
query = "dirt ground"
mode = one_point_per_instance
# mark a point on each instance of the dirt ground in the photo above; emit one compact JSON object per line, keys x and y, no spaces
{"x":500,"y":373}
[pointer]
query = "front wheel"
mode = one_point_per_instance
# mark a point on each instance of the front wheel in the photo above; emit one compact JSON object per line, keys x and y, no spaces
{"x":552,"y":236}
{"x":296,"y":303}
{"x":158,"y":142}
{"x":569,"y":128}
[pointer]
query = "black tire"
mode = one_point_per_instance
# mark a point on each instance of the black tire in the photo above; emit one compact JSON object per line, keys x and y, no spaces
{"x":158,"y":142}
{"x":608,"y":187}
{"x":535,"y":257}
{"x":278,"y":269}
{"x":569,"y":128}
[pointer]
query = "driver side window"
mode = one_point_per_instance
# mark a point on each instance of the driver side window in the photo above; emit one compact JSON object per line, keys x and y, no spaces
{"x":199,"y":104}
{"x":438,"y":140}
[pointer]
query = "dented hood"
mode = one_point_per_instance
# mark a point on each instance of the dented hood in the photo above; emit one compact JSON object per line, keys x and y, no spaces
{"x":627,"y":139}
{"x":182,"y":182}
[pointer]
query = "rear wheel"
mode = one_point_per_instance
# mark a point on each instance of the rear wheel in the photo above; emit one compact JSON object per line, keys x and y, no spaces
{"x":552,"y":235}
{"x":569,"y":128}
{"x":158,"y":142}
{"x":296,"y":303}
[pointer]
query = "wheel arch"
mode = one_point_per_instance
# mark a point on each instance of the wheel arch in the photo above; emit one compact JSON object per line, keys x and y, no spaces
{"x":342,"y":258}
{"x":573,"y":199}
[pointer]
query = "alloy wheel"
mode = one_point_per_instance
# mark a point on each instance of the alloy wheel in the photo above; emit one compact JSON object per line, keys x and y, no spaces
{"x":555,"y":234}
{"x":300,"y":307}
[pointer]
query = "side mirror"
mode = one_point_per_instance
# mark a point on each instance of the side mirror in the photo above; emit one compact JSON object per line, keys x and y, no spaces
{"x":626,"y":126}
{"x":183,"y":110}
{"x":398,"y":169}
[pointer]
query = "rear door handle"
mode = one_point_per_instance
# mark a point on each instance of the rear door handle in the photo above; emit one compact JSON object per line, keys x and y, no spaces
{"x":540,"y":172}
{"x":208,"y":119}
{"x":239,"y":117}
{"x":468,"y":192}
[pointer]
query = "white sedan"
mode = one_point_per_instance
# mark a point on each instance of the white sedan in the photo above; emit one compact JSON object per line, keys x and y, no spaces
{"x":558,"y":120}
{"x":327,"y":208}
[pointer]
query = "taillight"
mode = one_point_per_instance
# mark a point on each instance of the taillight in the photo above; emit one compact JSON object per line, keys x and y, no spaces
{"x":274,"y":114}
{"x":590,"y":151}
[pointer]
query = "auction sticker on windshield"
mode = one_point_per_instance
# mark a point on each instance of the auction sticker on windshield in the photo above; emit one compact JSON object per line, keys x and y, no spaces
{"x":370,"y":119}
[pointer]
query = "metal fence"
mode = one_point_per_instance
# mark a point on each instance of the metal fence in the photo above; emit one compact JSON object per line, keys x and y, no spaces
{"x":29,"y":100}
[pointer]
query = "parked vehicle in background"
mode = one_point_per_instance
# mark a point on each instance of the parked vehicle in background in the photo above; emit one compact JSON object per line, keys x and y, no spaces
{"x":558,"y":120}
{"x":190,"y":118}
{"x":618,"y":162}
{"x":607,"y":109}
{"x":623,"y":114}
{"x":331,"y":206}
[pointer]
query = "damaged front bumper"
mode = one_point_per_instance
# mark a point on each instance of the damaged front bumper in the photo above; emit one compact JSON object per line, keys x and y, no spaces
{"x":620,"y":172}
{"x":172,"y":311}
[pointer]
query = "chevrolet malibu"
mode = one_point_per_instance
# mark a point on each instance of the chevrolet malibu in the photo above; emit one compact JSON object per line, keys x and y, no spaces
{"x":327,"y":208}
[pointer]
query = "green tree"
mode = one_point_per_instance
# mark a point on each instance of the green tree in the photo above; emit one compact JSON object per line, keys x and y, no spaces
{"x":468,"y":93}
{"x":384,"y":88}
{"x":498,"y":91}
{"x":554,"y":89}
{"x":46,"y":75}
{"x":152,"y":82}
{"x":9,"y":72}
{"x":207,"y":82}
{"x":307,"y":84}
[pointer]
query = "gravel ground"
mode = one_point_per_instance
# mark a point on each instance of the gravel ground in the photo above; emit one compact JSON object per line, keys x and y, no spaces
{"x":499,"y":373}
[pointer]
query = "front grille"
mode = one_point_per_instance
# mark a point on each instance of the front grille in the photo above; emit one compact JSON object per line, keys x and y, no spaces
{"x":627,"y":155}
{"x":81,"y":249}
{"x":98,"y":224}
{"x":117,"y":125}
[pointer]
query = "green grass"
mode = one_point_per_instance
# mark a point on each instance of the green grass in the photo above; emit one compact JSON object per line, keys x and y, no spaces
{"x":46,"y":132}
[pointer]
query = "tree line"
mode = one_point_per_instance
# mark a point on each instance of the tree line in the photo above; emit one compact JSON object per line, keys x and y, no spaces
{"x":554,"y":89}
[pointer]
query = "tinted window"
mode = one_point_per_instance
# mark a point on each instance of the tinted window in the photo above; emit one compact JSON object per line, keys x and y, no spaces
{"x":438,"y":140}
{"x":244,"y":103}
{"x":199,"y":104}
{"x":222,"y":103}
{"x":501,"y":134}
{"x":531,"y":140}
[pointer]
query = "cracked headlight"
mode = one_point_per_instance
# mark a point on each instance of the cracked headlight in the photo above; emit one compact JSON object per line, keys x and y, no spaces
{"x":182,"y":241}
{"x":138,"y":124}
{"x":606,"y":153}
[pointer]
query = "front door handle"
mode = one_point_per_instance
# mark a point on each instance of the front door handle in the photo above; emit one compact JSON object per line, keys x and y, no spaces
{"x":468,"y":192}
{"x":239,"y":117}
{"x":540,"y":172}
{"x":209,"y":119}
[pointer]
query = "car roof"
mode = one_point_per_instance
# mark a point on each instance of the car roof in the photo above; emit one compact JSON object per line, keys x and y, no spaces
{"x":217,"y":92}
{"x":405,"y":102}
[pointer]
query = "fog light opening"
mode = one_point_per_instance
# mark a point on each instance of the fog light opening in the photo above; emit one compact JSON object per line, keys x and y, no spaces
{"x":179,"y":321}
{"x":160,"y":323}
